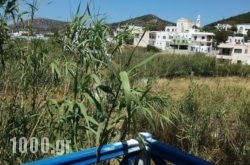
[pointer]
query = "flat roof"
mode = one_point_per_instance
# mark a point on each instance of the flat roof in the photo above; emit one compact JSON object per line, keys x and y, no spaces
{"x":203,"y":33}
{"x":225,"y":45}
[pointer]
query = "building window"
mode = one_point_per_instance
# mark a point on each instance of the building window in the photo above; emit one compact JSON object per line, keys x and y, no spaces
{"x":195,"y":37}
{"x":203,"y":37}
{"x":225,"y":52}
{"x":152,"y":36}
{"x":137,"y":35}
{"x":164,"y":37}
{"x":238,"y":51}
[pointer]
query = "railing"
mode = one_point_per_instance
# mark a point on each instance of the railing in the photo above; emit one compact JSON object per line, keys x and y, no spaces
{"x":143,"y":151}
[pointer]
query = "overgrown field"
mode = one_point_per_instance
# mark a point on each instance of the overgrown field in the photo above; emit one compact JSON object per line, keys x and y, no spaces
{"x":80,"y":87}
{"x":211,"y":117}
{"x":46,"y":93}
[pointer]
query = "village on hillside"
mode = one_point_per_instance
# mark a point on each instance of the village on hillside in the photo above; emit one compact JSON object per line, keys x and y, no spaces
{"x":186,"y":37}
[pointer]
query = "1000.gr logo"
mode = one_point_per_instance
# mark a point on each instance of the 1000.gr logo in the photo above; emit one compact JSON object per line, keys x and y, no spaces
{"x":62,"y":146}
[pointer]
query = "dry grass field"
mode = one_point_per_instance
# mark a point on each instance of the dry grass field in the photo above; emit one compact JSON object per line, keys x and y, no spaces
{"x":177,"y":87}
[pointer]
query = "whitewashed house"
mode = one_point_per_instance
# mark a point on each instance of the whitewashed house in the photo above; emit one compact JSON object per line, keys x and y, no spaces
{"x":136,"y":31}
{"x":19,"y":34}
{"x":25,"y":35}
{"x":243,"y":28}
{"x":194,"y":41}
{"x":172,"y":30}
{"x":201,"y":41}
{"x":235,"y":51}
{"x":160,"y":39}
{"x":225,"y":27}
{"x":235,"y":40}
{"x":185,"y":36}
{"x":141,"y":38}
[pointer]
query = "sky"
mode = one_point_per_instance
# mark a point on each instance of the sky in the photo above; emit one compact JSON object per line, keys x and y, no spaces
{"x":170,"y":10}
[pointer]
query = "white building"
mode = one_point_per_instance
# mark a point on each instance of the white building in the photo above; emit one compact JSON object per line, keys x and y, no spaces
{"x":171,"y":29}
{"x":183,"y":25}
{"x":141,"y":39}
{"x":160,"y":39}
{"x":25,"y":35}
{"x":195,"y":41}
{"x":243,"y":28}
{"x":225,"y":27}
{"x":235,"y":50}
{"x":201,"y":41}
{"x":235,"y":40}
{"x":136,"y":31}
{"x":182,"y":36}
{"x":19,"y":33}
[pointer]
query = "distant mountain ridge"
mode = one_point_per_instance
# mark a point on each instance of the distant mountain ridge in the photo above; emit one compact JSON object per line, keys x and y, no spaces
{"x":237,"y":19}
{"x":40,"y":25}
{"x":150,"y":21}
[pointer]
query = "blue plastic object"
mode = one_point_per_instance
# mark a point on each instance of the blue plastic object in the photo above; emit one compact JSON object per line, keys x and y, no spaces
{"x":130,"y":151}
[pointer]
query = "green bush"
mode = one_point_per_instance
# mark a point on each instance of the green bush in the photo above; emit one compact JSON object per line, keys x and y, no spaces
{"x":176,"y":65}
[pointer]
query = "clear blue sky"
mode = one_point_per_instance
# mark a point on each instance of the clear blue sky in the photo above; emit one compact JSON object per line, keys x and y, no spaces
{"x":171,"y":10}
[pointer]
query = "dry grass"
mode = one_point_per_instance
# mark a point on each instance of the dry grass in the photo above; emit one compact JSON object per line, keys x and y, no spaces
{"x":177,"y":87}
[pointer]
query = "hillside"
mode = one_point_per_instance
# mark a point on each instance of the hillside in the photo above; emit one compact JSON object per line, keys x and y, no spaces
{"x":238,"y":19}
{"x":149,"y":21}
{"x":42,"y":25}
{"x":39,"y":25}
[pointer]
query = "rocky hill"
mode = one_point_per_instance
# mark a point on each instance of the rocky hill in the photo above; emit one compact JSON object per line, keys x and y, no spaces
{"x":151,"y":22}
{"x":39,"y":25}
{"x":238,"y":19}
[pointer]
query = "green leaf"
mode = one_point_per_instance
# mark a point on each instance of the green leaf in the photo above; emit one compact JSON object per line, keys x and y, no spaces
{"x":55,"y":70}
{"x":125,"y":85}
{"x":96,"y":78}
{"x":83,"y":110}
{"x":88,"y":94}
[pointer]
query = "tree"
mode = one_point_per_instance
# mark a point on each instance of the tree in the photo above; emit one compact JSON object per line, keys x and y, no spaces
{"x":221,"y":36}
{"x":248,"y":33}
{"x":234,"y":29}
